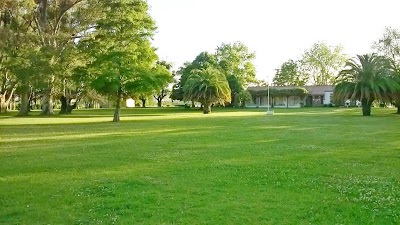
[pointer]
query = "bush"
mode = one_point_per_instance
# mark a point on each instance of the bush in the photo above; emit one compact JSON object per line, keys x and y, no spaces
{"x":328,"y":105}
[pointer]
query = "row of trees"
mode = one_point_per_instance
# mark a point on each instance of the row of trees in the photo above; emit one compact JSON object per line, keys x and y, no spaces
{"x":68,"y":48}
{"x":229,"y":69}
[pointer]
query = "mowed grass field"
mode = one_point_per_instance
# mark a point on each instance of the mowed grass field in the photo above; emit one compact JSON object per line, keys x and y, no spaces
{"x":178,"y":166}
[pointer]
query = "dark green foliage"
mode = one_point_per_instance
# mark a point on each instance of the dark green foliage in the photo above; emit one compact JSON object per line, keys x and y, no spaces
{"x":244,"y":97}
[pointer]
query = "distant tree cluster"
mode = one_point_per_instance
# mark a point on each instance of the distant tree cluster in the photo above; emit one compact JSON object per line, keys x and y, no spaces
{"x":222,"y":76}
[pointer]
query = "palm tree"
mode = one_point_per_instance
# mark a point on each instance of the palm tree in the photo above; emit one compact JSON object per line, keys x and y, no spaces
{"x":207,"y":86}
{"x":368,"y":78}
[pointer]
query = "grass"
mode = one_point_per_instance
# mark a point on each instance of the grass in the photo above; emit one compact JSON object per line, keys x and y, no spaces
{"x":178,"y":166}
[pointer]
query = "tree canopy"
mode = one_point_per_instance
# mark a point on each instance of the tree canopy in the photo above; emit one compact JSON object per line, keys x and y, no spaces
{"x":322,"y":63}
{"x":290,"y":74}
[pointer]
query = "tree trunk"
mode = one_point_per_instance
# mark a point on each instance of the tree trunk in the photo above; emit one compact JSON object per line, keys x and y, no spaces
{"x":71,"y":107}
{"x":143,"y":103}
{"x":117,"y":111}
{"x":64,"y":105}
{"x":47,"y":104}
{"x":398,"y":109}
{"x":24,"y":106}
{"x":233,"y":99}
{"x":287,"y":102}
{"x":366,"y":106}
{"x":272,"y":102}
{"x":3,"y":105}
{"x":206,"y":108}
{"x":159,"y":102}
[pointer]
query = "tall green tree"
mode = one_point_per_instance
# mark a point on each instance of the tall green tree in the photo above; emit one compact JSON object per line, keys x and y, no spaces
{"x":289,"y":74}
{"x":207,"y":86}
{"x":321,"y":63}
{"x":236,"y":62}
{"x":367,"y":78}
{"x":389,"y":46}
{"x":123,"y":55}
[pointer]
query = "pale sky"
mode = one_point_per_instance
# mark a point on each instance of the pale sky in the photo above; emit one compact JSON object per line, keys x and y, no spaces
{"x":276,"y":30}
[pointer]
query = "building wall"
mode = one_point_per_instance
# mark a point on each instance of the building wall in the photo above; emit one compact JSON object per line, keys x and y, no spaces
{"x":291,"y":102}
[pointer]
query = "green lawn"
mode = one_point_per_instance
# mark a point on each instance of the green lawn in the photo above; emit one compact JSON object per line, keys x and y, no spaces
{"x":178,"y":166}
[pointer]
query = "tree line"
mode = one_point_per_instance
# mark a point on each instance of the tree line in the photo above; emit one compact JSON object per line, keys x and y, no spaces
{"x":69,"y":49}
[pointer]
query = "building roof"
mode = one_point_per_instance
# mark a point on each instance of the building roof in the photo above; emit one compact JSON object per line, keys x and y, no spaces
{"x":312,"y":90}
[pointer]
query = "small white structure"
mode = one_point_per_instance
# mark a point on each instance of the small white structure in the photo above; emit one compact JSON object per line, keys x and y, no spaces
{"x":130,"y":103}
{"x":358,"y":103}
{"x":347,"y":103}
